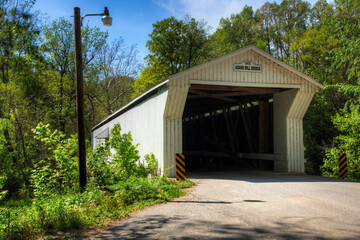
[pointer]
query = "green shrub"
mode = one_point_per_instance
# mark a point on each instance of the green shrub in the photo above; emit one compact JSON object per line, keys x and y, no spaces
{"x":107,"y":167}
{"x":2,"y":193}
{"x":26,"y":219}
{"x":140,"y":189}
{"x":59,"y":171}
{"x":100,"y":169}
{"x":348,"y":124}
{"x":5,"y":159}
{"x":126,"y":155}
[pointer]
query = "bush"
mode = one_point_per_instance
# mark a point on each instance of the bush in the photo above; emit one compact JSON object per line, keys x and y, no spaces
{"x":140,"y":189}
{"x":107,"y":167}
{"x":348,"y":124}
{"x":5,"y":159}
{"x":25,"y":219}
{"x":330,"y":168}
{"x":59,"y":171}
{"x":2,"y":193}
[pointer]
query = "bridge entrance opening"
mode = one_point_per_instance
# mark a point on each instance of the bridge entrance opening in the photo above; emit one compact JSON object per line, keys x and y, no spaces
{"x":227,"y":127}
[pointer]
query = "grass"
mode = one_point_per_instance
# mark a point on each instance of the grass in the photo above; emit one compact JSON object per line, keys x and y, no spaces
{"x":33,"y":218}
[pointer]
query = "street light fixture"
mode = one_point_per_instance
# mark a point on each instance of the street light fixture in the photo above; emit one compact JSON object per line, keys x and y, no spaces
{"x":107,"y":21}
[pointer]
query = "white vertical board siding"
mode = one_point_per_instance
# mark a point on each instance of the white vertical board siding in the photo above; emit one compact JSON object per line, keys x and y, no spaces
{"x":145,"y":122}
{"x":282,"y":105}
{"x":272,"y":72}
{"x":294,"y":122}
{"x":175,"y":104}
{"x":289,"y":109}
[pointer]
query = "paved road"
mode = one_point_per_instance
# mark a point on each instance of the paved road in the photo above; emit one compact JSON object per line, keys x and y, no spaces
{"x":250,"y":205}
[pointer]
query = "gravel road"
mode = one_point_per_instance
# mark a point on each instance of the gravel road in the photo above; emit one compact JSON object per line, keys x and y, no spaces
{"x":249,"y":205}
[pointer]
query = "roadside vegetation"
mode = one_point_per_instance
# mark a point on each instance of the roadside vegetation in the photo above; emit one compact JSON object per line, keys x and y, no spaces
{"x":119,"y":183}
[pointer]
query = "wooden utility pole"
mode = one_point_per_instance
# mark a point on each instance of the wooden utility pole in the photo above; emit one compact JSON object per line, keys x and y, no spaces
{"x":80,"y":100}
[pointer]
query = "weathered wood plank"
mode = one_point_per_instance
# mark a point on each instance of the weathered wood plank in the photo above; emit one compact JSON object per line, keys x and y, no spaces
{"x":264,"y":127}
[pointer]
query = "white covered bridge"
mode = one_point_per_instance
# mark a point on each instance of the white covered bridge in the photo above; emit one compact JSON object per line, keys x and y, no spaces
{"x":243,"y":108}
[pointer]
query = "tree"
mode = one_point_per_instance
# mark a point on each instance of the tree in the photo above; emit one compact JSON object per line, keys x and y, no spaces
{"x":174,"y":45}
{"x":294,"y":16}
{"x":235,"y":32}
{"x":266,"y":20}
{"x":330,"y":53}
{"x":119,"y":66}
{"x":58,"y":46}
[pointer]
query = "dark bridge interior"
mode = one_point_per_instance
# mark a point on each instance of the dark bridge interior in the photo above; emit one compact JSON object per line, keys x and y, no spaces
{"x":223,"y":126}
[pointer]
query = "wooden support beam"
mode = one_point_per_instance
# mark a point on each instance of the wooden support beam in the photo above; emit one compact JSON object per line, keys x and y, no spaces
{"x":213,"y":126}
{"x":264,"y":127}
{"x":229,"y":129}
{"x":228,"y":94}
{"x":251,"y":126}
{"x":236,"y":89}
{"x":205,"y":94}
{"x":247,"y":129}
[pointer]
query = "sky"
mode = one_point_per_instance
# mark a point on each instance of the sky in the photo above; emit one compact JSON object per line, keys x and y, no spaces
{"x":133,"y":19}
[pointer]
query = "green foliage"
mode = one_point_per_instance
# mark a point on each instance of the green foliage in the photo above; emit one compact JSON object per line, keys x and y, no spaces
{"x":316,"y":45}
{"x":119,"y":183}
{"x":174,"y":45}
{"x":5,"y":160}
{"x":347,"y":121}
{"x":330,"y":55}
{"x":58,"y":172}
{"x":140,"y":189}
{"x":26,"y":219}
{"x":2,"y":193}
{"x":150,"y":76}
{"x":185,"y":183}
{"x":330,"y":168}
{"x":151,"y":165}
{"x":126,"y":154}
{"x":100,"y":171}
{"x":57,"y":44}
{"x":18,"y":33}
{"x":235,"y":32}
{"x":126,"y":159}
{"x":123,"y":161}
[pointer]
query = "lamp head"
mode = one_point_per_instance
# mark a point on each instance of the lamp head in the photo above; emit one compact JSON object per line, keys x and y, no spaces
{"x":106,"y":19}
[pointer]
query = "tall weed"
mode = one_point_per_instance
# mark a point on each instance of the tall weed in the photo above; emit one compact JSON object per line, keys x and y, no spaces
{"x":48,"y":214}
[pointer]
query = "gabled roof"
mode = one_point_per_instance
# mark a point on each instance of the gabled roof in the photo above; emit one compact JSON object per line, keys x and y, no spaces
{"x":241,"y":51}
{"x":132,"y":103}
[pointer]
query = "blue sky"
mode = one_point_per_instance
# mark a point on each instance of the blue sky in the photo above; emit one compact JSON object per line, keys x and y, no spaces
{"x":133,"y":19}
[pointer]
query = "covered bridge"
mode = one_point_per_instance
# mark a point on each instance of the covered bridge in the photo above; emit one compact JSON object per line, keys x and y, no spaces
{"x":244,"y":107}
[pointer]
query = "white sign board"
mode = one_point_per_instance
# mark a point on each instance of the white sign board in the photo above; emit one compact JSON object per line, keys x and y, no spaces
{"x":247,"y":66}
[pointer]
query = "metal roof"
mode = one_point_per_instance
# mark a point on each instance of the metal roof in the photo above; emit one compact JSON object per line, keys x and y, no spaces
{"x":133,"y":103}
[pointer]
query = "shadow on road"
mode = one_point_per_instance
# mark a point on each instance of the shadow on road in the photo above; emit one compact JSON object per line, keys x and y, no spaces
{"x":206,"y":202}
{"x":258,"y":176}
{"x":179,"y":227}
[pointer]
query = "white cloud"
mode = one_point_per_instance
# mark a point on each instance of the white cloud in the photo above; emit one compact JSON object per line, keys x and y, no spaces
{"x":209,"y":10}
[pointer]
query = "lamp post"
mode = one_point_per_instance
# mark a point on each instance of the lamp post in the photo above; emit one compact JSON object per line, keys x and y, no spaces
{"x":107,"y":21}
